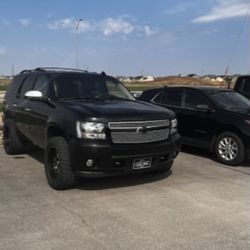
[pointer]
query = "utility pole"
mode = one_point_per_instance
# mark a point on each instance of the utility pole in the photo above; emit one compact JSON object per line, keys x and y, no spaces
{"x":12,"y":70}
{"x":77,"y":43}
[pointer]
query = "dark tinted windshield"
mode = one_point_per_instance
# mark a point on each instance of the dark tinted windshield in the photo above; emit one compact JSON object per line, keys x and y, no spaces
{"x":89,"y":87}
{"x":230,"y":100}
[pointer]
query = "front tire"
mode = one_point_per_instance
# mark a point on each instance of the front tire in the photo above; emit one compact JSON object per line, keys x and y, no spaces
{"x":58,"y":165}
{"x":230,"y":149}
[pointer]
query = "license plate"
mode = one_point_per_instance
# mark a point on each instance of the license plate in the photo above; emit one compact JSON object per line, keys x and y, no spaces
{"x":142,"y":163}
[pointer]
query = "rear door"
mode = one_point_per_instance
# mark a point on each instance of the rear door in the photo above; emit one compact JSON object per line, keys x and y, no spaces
{"x":199,"y":124}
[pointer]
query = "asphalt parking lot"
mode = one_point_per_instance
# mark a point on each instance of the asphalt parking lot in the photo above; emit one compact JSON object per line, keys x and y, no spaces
{"x":201,"y":205}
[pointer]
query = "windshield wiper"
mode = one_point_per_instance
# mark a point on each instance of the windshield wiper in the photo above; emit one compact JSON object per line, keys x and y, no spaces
{"x":75,"y":98}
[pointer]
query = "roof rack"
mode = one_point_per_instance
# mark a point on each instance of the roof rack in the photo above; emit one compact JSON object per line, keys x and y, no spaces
{"x":52,"y":69}
{"x":26,"y":71}
{"x":59,"y":69}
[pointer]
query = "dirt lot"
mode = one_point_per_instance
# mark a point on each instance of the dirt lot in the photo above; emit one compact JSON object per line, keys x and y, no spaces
{"x":174,"y":80}
{"x":201,"y":205}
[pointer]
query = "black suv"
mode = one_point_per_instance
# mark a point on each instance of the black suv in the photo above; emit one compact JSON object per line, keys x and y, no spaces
{"x":242,"y":85}
{"x":211,"y":118}
{"x":89,"y":125}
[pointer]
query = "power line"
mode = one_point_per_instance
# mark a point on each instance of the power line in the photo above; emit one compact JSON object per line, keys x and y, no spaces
{"x":237,"y":41}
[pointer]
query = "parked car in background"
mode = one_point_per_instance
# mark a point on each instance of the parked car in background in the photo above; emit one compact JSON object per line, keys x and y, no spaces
{"x":211,"y":118}
{"x":242,"y":85}
{"x":88,"y":124}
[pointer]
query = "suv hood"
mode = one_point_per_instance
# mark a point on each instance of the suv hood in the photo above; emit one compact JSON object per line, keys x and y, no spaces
{"x":112,"y":110}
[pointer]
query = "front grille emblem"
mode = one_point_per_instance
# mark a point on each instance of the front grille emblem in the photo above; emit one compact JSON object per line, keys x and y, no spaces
{"x":142,"y":130}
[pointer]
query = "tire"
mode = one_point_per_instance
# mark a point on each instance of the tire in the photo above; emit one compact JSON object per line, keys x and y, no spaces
{"x":58,"y":165}
{"x":11,"y":141}
{"x":163,"y":170}
{"x":230,"y":149}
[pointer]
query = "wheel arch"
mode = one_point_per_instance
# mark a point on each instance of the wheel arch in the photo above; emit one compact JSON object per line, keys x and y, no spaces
{"x":55,"y":130}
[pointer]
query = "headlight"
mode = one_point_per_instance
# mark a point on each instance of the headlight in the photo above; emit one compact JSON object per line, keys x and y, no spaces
{"x":174,"y":126}
{"x":90,"y":130}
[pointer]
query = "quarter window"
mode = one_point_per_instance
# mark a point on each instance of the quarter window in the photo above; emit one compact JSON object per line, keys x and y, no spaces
{"x":246,"y":84}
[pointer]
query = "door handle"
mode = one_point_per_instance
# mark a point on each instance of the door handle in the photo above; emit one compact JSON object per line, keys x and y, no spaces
{"x":27,"y":109}
{"x":14,"y":105}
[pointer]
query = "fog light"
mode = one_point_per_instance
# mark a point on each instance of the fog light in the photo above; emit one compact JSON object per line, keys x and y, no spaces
{"x":89,"y":163}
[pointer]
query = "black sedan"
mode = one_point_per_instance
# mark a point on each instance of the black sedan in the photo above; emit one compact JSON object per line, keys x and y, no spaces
{"x":211,"y":118}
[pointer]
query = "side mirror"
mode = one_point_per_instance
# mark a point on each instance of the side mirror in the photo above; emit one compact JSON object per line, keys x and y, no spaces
{"x":34,"y":95}
{"x":203,"y":107}
{"x":136,"y":94}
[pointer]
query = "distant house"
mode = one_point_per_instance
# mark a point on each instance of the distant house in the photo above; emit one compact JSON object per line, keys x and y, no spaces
{"x":219,"y":79}
{"x":193,"y":75}
{"x":147,"y":79}
{"x":5,"y":77}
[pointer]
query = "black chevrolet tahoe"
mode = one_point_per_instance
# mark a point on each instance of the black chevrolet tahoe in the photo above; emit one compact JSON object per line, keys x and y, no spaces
{"x":88,"y":125}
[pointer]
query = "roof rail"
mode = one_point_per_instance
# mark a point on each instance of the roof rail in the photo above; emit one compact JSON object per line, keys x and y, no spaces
{"x":59,"y":69}
{"x":26,"y":71}
{"x":52,"y":69}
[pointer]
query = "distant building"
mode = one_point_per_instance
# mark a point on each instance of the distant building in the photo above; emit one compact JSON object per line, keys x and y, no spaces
{"x":147,"y":79}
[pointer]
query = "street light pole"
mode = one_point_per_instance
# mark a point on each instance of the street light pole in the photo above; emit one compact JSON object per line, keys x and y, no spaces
{"x":77,"y":43}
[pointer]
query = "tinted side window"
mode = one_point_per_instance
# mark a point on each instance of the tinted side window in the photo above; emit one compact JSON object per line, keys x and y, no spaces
{"x":148,"y":95}
{"x":27,"y":85}
{"x":246,"y":84}
{"x":194,"y":98}
{"x":172,"y":97}
{"x":158,"y":98}
{"x":41,"y":84}
{"x":14,"y":87}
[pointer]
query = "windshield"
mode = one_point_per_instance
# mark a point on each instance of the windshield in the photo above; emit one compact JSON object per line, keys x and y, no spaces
{"x":89,"y":87}
{"x":230,"y":100}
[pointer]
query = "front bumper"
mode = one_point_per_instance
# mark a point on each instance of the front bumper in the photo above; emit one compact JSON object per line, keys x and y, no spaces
{"x":114,"y":159}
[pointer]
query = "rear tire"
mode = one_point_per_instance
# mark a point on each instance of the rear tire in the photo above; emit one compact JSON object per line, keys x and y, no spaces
{"x":230,"y":149}
{"x":11,"y":141}
{"x":58,"y":165}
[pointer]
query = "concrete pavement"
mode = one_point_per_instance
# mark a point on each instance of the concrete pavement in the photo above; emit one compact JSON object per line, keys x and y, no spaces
{"x":201,"y":205}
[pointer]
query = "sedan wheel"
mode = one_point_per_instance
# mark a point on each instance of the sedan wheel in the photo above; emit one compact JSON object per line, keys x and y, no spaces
{"x":230,"y":149}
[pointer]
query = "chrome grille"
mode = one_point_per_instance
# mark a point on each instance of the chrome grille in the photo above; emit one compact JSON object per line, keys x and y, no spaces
{"x":139,"y":131}
{"x":136,"y":124}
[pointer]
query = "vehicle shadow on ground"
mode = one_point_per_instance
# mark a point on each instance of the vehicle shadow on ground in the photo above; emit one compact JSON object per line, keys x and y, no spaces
{"x":121,"y":181}
{"x":206,"y":154}
{"x":108,"y":182}
{"x":198,"y":151}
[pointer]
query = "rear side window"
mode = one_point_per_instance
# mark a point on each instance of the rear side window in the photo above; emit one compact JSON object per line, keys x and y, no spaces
{"x":172,"y":97}
{"x":41,"y":84}
{"x":243,"y":85}
{"x":27,"y":85}
{"x":194,"y":98}
{"x":246,"y":84}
